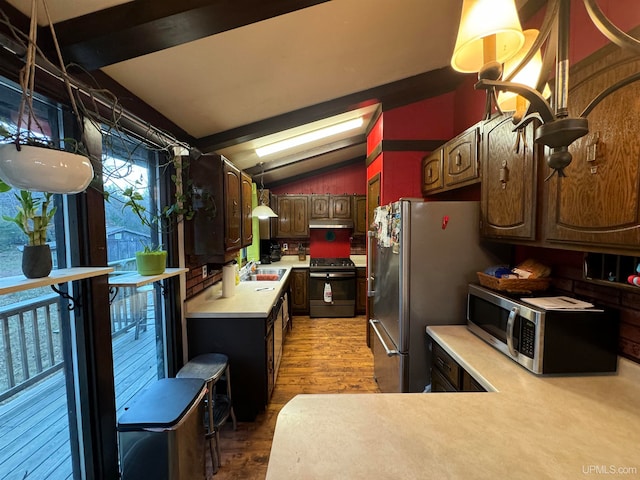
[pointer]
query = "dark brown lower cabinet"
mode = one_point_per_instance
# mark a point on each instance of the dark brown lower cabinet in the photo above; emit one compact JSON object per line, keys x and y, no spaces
{"x":248,"y":342}
{"x":448,"y":376}
{"x":361,"y":291}
{"x":299,"y":291}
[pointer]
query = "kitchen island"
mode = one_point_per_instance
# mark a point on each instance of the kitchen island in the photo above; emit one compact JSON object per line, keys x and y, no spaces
{"x":525,"y":427}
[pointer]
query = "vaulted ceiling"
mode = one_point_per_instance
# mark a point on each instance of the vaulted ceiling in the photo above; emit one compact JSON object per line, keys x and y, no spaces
{"x":232,"y":75}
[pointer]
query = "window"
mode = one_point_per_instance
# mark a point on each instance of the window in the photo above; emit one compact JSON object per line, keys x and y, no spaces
{"x":137,"y":314}
{"x":37,"y":379}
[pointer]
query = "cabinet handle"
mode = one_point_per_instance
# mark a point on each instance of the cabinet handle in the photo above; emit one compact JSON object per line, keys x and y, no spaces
{"x":504,"y":174}
{"x":458,"y":159}
{"x":442,"y":364}
{"x":429,"y":174}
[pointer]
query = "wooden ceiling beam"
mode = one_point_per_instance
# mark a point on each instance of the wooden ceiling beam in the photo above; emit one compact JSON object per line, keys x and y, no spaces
{"x":138,"y":28}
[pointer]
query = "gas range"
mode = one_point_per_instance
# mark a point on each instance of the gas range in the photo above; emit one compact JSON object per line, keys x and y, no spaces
{"x":332,"y":264}
{"x":332,"y":287}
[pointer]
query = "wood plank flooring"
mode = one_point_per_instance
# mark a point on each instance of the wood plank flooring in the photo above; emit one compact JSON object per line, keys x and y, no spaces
{"x":320,"y":355}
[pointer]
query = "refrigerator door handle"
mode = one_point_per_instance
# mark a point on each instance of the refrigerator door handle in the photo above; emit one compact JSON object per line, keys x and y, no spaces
{"x":390,"y":353}
{"x":370,"y":278}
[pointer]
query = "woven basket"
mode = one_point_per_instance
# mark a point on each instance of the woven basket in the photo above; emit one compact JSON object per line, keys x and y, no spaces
{"x":514,"y":285}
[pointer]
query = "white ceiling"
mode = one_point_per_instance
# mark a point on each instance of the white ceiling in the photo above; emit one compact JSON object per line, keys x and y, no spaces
{"x":280,"y":65}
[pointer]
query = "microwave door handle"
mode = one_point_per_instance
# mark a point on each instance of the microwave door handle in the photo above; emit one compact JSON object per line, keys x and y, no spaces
{"x":510,"y":323}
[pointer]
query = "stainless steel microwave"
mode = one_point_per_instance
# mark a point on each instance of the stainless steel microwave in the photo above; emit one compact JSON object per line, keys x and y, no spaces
{"x":544,"y":341}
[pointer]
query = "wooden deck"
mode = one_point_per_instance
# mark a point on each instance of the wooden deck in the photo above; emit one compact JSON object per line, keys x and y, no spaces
{"x":34,"y":433}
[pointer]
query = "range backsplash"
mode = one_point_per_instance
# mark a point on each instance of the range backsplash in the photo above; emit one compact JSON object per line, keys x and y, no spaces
{"x":330,"y":243}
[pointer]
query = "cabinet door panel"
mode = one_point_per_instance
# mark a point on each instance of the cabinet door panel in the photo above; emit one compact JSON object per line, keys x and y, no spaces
{"x":319,"y":206}
{"x":461,"y":159}
{"x":509,"y":178}
{"x":360,"y":215}
{"x":598,"y":200}
{"x":341,"y":206}
{"x":300,"y":218}
{"x":247,"y":208}
{"x":233,"y":207}
{"x":300,"y":291}
{"x":293,"y":216}
{"x":432,"y":176}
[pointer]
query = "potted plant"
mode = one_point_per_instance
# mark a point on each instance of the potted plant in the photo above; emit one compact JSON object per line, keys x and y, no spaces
{"x":33,"y":218}
{"x":151,"y":260}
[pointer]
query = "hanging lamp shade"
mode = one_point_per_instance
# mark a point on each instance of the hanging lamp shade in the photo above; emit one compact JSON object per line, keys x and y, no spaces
{"x":528,"y":75}
{"x":486,"y":19}
{"x":263,"y":211}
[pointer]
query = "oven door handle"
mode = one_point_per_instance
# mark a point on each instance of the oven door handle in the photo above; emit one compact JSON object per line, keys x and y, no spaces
{"x":390,"y":353}
{"x":333,"y":275}
{"x":510,"y":324}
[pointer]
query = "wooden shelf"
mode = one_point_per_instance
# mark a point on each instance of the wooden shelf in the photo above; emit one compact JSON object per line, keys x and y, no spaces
{"x":134,"y":279}
{"x":20,"y":283}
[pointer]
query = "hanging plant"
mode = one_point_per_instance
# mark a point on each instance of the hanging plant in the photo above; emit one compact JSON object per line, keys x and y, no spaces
{"x":31,"y":161}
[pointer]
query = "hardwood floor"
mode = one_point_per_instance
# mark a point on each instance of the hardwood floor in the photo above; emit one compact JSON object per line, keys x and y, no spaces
{"x":320,"y":355}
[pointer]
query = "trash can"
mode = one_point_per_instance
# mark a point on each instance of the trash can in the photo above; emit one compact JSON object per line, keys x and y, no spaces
{"x":161,"y":433}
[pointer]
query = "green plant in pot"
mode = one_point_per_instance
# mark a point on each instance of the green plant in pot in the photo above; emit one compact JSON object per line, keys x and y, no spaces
{"x":33,"y":218}
{"x":151,"y":260}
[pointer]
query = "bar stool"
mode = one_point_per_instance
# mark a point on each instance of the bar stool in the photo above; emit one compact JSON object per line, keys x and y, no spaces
{"x":212,"y":367}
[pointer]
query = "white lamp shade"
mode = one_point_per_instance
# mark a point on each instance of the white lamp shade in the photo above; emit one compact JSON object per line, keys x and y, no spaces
{"x":528,"y":75}
{"x":481,"y":19}
{"x":41,"y":169}
{"x":263,"y":211}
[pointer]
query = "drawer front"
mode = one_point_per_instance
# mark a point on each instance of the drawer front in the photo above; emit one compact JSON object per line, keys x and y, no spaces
{"x":447,"y":366}
{"x":439,"y":383}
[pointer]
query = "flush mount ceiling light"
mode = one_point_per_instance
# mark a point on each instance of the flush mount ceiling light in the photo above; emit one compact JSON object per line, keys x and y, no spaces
{"x":557,"y":130}
{"x":262,"y":211}
{"x":309,"y":137}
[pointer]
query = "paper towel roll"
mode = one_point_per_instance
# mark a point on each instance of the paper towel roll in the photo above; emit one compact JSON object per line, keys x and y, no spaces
{"x":228,"y":280}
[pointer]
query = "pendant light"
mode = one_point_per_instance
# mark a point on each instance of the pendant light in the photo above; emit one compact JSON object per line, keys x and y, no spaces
{"x":262,"y":211}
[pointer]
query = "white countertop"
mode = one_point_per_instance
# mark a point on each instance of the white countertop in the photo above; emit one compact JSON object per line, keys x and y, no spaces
{"x":250,"y":300}
{"x":530,"y":427}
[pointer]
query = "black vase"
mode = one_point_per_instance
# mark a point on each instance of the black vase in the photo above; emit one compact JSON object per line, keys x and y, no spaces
{"x":36,"y":261}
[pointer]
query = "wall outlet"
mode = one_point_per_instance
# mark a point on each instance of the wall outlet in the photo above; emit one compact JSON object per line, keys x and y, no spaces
{"x":285,"y":246}
{"x":204,"y":271}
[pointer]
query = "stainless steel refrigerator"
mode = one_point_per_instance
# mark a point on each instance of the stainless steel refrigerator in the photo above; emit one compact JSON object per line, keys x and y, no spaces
{"x":422,"y":256}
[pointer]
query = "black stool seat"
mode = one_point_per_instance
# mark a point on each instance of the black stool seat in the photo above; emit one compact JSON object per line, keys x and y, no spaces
{"x":208,"y":367}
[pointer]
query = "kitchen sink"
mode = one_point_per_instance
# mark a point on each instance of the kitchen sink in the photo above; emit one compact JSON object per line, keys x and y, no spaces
{"x":264,"y":275}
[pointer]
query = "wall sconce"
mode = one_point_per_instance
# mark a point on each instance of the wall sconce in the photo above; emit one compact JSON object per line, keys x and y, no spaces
{"x":557,"y":130}
{"x":262,"y":211}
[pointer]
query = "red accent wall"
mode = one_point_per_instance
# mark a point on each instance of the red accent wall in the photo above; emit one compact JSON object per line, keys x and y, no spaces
{"x":351,"y":179}
{"x":424,"y":120}
{"x":468,"y":105}
{"x":375,"y":135}
{"x":330,"y":243}
{"x":401,"y":176}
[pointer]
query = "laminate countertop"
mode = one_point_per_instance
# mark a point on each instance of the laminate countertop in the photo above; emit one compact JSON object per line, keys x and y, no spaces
{"x":526,"y":427}
{"x":251,"y":299}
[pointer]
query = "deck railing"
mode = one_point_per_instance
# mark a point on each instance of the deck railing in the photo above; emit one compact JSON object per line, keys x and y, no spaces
{"x":30,"y":333}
